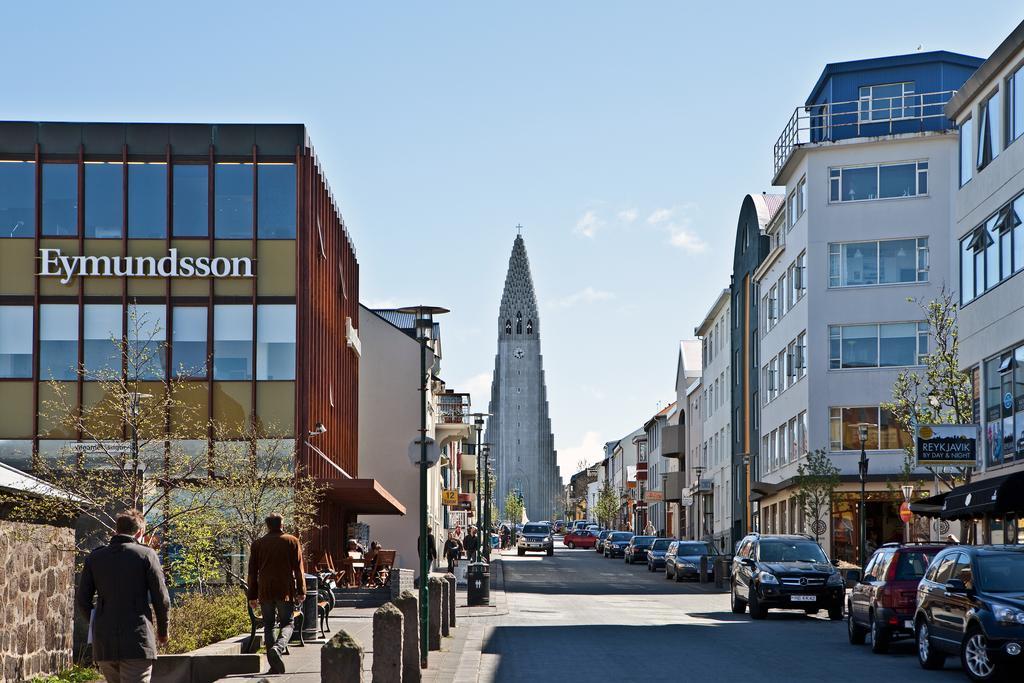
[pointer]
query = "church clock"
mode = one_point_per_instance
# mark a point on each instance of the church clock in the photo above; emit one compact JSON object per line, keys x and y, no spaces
{"x":518,"y":353}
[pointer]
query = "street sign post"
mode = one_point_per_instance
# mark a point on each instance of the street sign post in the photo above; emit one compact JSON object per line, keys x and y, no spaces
{"x":946,"y":445}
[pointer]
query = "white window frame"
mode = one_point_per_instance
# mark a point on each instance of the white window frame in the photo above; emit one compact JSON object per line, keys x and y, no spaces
{"x":835,"y":180}
{"x":869,"y":98}
{"x":835,"y":332}
{"x":835,"y":256}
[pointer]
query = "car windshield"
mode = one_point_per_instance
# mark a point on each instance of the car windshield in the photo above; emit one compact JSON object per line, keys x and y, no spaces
{"x":912,"y":564}
{"x":535,"y":529}
{"x":1001,"y":573}
{"x":778,"y":550}
{"x":643,"y":541}
{"x":621,"y":536}
{"x":688,"y":549}
{"x":661,"y":544}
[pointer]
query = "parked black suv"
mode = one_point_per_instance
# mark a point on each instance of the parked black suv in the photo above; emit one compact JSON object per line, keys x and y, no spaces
{"x":971,"y":603}
{"x":536,"y":537}
{"x":784,"y":572}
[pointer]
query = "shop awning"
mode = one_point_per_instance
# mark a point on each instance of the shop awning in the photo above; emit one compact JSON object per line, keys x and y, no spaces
{"x":361,"y":496}
{"x":929,"y":507}
{"x":994,"y":496}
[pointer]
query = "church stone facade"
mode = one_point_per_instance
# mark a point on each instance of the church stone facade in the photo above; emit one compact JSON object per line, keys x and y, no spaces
{"x":520,"y":429}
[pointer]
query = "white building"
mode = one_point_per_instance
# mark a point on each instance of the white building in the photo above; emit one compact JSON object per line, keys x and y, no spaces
{"x":712,"y":484}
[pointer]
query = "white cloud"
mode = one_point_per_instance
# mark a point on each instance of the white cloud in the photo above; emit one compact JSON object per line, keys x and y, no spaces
{"x":660,"y":216}
{"x":628,"y":215}
{"x":587,"y":295}
{"x":588,"y":224}
{"x":686,"y":239}
{"x":590,"y":449}
{"x":479,"y":388}
{"x":677,"y":223}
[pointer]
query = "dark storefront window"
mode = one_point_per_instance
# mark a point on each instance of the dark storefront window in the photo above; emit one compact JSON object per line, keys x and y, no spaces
{"x":147,"y":201}
{"x":104,"y":199}
{"x":232,"y":342}
{"x":15,"y":342}
{"x":233,"y":201}
{"x":993,"y":413}
{"x":102,"y":338}
{"x":60,"y":200}
{"x":17,"y":199}
{"x":58,"y":341}
{"x":191,"y":200}
{"x":277,"y":201}
{"x":189,"y":341}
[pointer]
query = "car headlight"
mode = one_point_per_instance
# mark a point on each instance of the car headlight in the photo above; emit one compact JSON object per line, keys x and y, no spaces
{"x":547,"y":538}
{"x":686,"y":563}
{"x":835,"y":580}
{"x":1008,"y":615}
{"x":767,"y":577}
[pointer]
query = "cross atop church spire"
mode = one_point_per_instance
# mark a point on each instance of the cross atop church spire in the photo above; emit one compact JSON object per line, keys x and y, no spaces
{"x":519,"y":229}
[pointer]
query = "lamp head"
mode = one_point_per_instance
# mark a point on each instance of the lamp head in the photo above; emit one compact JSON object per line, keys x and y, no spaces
{"x":862,"y":428}
{"x":318,"y":429}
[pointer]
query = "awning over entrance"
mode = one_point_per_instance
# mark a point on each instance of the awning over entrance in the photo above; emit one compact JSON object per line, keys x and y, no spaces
{"x":995,"y":496}
{"x":361,"y":496}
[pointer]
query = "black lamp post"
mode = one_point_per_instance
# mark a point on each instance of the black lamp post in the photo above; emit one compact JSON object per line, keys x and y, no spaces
{"x":486,"y":449}
{"x":698,"y":506}
{"x":862,"y":468}
{"x":478,"y":422}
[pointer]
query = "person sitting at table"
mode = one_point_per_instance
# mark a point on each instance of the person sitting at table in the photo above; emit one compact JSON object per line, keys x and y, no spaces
{"x":370,"y":560}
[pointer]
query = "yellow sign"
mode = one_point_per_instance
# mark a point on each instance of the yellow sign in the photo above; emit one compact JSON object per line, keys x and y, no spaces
{"x":450,"y":497}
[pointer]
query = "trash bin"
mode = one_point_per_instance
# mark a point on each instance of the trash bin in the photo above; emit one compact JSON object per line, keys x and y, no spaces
{"x":309,"y":620}
{"x":723,"y":570}
{"x":478,"y":590}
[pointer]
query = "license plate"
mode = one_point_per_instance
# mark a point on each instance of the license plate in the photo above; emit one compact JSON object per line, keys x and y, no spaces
{"x":908,"y":624}
{"x":802,"y":598}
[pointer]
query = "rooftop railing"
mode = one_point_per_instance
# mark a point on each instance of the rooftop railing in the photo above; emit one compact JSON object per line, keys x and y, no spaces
{"x":867,"y":116}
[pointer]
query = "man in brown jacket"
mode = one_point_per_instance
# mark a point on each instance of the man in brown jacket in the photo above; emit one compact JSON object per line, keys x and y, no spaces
{"x":126,"y":579}
{"x":276,"y":585}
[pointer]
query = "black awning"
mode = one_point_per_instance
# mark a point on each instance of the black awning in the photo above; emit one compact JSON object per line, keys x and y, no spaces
{"x":994,"y":496}
{"x":930,"y":506}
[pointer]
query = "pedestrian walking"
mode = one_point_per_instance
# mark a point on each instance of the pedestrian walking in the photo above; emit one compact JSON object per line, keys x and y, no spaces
{"x":276,"y":585}
{"x":127,"y":582}
{"x":431,"y":550}
{"x":471,"y":544}
{"x":452,"y":551}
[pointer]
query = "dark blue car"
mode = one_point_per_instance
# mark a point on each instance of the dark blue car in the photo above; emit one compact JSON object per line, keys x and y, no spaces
{"x":656,"y":554}
{"x":615,"y":543}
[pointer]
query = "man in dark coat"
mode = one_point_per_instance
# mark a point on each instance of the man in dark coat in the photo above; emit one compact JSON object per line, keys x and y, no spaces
{"x":431,"y":549}
{"x":276,"y":584}
{"x":471,"y":544}
{"x":126,"y":578}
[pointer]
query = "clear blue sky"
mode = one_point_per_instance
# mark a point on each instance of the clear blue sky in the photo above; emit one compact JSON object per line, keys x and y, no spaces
{"x":622,"y":135}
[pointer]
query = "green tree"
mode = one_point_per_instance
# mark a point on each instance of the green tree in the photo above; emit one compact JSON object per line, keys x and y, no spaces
{"x":817,"y":478}
{"x":607,"y":506}
{"x":514,"y":507}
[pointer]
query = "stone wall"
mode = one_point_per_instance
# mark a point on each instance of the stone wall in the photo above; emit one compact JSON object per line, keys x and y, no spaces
{"x":36,"y":600}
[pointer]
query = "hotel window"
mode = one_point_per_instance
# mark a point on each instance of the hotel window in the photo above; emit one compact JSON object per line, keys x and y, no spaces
{"x":191,"y":203}
{"x":16,"y":453}
{"x":147,"y":200}
{"x":801,"y":275}
{"x":801,"y":196}
{"x":17,"y":199}
{"x":801,"y":355}
{"x":60,"y":200}
{"x":791,"y":363}
{"x":102,"y":339}
{"x":232,"y":342}
{"x":791,"y":210}
{"x":794,"y":290}
{"x":275,"y":342}
{"x":783,"y":445}
{"x":992,"y":252}
{"x":233,"y":202}
{"x":104,"y":199}
{"x":882,"y":262}
{"x":878,"y":181}
{"x":989,"y":129}
{"x":773,"y":306}
{"x":783,"y":378}
{"x":58,"y":342}
{"x":966,"y":138}
{"x":784,"y":303}
{"x":884,"y":432}
{"x":887,"y":102}
{"x":189,"y":341}
{"x":15,"y":342}
{"x":802,"y":439}
{"x":1015,"y":105}
{"x":147,"y":339}
{"x":872,"y":346}
{"x":277,"y":191}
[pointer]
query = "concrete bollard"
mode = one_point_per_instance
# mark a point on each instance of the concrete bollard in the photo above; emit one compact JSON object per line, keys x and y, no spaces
{"x":409,"y":606}
{"x":445,"y":626}
{"x":387,"y":644}
{"x":341,"y":659}
{"x":450,"y":578}
{"x":434,"y":596}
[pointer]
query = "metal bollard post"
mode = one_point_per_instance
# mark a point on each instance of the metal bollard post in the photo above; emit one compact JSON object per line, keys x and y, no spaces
{"x":703,"y":568}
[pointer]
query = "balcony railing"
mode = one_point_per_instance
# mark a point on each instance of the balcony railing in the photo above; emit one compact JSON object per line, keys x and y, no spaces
{"x":864,"y":117}
{"x":453,"y":408}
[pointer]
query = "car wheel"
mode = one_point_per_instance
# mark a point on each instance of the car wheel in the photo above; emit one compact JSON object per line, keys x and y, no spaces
{"x":738,"y":606}
{"x":854,"y":631}
{"x":521,"y":553}
{"x":677,"y":576}
{"x":835,"y":612}
{"x":927,"y":656}
{"x":757,"y":611}
{"x":974,"y":656}
{"x":570,"y":545}
{"x":880,"y":637}
{"x":551,"y":551}
{"x":667,"y":575}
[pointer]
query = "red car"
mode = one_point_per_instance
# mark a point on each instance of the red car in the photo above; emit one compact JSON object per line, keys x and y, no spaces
{"x":579,"y":539}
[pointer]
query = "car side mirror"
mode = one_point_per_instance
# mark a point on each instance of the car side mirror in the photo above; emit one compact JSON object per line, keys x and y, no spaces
{"x":747,"y":562}
{"x":956,"y":586}
{"x":835,"y":561}
{"x":868,"y":579}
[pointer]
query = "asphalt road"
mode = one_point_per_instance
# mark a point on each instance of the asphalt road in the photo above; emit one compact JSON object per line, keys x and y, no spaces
{"x":580,"y":617}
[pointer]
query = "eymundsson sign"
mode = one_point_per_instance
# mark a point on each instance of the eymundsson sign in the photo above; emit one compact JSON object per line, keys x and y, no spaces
{"x":52,"y":263}
{"x":944,"y":445}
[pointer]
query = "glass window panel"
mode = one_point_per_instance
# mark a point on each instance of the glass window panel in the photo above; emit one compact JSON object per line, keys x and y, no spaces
{"x":232,"y":342}
{"x":102,"y":338}
{"x":58,"y":341}
{"x":966,"y":137}
{"x":922,"y":179}
{"x":897,"y":180}
{"x":992,"y":255}
{"x":147,"y":334}
{"x":191,"y":200}
{"x":897,"y":344}
{"x":852,"y":419}
{"x":1017,"y":104}
{"x":275,"y":336}
{"x":860,"y":263}
{"x":189,"y":341}
{"x":892,"y":436}
{"x":17,"y":199}
{"x":277,"y":190}
{"x":1005,"y":255}
{"x":886,"y":101}
{"x":16,"y":453}
{"x":147,"y":200}
{"x":897,"y":261}
{"x":233,"y":201}
{"x":1018,"y":236}
{"x":860,"y":346}
{"x":995,"y":112}
{"x":860,"y":183}
{"x":60,"y":200}
{"x":104,"y":199}
{"x":16,"y":342}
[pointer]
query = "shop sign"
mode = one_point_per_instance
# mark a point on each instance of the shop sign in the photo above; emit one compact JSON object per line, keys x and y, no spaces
{"x":53,"y":263}
{"x":946,"y":445}
{"x":654,"y":496}
{"x":706,"y":485}
{"x":450,"y":497}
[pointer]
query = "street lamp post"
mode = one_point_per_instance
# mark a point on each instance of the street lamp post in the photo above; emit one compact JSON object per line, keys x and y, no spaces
{"x":478,"y":421}
{"x":424,"y":322}
{"x":698,"y":507}
{"x":486,"y":448}
{"x":908,"y":492}
{"x":862,"y":468}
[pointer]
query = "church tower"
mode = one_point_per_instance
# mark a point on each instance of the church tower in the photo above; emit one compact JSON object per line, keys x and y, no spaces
{"x":519,"y":430}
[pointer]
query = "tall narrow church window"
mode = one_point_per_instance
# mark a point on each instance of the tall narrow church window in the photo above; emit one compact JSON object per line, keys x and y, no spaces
{"x":519,"y":322}
{"x":529,"y":326}
{"x":508,"y":326}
